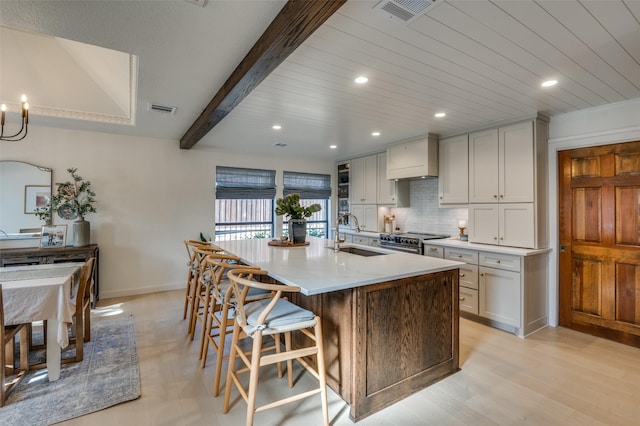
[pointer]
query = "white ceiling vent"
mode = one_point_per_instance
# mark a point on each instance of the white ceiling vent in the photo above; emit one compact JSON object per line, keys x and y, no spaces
{"x":161,"y":108}
{"x":404,"y":10}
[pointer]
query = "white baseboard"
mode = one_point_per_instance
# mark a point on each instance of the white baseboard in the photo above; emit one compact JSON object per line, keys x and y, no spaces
{"x":140,"y":290}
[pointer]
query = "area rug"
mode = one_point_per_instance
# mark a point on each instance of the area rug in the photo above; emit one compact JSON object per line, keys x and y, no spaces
{"x":108,"y":375}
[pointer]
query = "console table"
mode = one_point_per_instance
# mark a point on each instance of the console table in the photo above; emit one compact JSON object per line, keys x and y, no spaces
{"x":37,"y":256}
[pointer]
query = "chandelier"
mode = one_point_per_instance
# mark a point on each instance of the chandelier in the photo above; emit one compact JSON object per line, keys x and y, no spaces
{"x":25,"y":122}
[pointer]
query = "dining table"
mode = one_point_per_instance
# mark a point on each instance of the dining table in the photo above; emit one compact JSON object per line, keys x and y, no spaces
{"x":40,"y":292}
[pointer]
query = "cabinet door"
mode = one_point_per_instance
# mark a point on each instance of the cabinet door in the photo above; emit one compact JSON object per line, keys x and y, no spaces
{"x":386,"y":187}
{"x":364,"y":180}
{"x":468,"y":300}
{"x":517,"y":163}
{"x":517,"y":225}
{"x":483,"y":223}
{"x":483,"y":166}
{"x":453,"y":179}
{"x":499,"y":296}
{"x":367,"y":217}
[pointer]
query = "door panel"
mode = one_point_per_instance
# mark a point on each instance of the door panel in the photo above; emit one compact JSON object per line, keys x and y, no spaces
{"x":599,"y":191}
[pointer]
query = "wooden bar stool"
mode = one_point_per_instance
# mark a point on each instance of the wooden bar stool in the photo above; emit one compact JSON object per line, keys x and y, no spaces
{"x":191,"y":270}
{"x":200,"y":279}
{"x":220,"y":303}
{"x":267,"y":317}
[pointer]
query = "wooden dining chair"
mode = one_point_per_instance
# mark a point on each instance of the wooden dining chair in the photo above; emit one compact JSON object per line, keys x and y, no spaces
{"x":11,"y":375}
{"x":271,"y":317}
{"x":218,"y":318}
{"x":82,"y":315}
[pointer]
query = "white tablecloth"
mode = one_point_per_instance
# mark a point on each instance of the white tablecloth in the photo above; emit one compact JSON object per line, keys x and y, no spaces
{"x":46,"y":298}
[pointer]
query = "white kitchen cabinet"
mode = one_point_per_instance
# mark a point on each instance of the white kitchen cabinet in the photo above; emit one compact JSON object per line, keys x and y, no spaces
{"x":503,"y":224}
{"x":506,"y":289}
{"x":468,"y":279}
{"x":453,"y":167}
{"x":367,"y":217}
{"x":499,"y":295}
{"x":364,"y":180}
{"x":413,"y":159}
{"x":434,"y":251}
{"x":391,"y":192}
{"x":364,"y":240}
{"x":502,"y":164}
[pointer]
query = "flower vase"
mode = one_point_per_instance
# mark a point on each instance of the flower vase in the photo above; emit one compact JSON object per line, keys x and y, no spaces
{"x":297,"y":230}
{"x":81,"y":233}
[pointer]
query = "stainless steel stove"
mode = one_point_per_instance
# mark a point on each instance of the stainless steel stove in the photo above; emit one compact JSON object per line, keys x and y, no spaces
{"x":410,"y":242}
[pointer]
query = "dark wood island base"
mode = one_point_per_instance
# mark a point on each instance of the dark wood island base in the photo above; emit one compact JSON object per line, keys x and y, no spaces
{"x":386,"y":341}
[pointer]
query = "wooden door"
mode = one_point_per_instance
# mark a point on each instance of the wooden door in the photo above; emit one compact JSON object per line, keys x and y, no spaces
{"x":599,"y":190}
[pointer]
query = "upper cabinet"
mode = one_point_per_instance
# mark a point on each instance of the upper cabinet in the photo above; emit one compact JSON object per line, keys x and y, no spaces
{"x":390,"y":191}
{"x":501,"y":165}
{"x":413,"y":159}
{"x":363,"y":186}
{"x":453,"y":179}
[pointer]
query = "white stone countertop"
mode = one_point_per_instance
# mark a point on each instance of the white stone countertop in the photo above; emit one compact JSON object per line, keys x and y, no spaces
{"x":456,"y":243}
{"x":317,"y":269}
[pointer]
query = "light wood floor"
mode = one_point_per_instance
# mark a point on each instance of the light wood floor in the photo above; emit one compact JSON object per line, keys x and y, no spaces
{"x":555,"y":377}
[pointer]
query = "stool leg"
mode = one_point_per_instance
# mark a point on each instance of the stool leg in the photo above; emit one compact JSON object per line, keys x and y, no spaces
{"x":276,"y":337}
{"x":204,"y":344}
{"x":224,"y":323}
{"x":321,"y":371}
{"x":230,"y":368}
{"x":208,"y":300}
{"x":287,"y":345}
{"x":256,"y":354}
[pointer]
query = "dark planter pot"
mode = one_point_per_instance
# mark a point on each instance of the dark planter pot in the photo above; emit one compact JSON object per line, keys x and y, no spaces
{"x":298,"y":230}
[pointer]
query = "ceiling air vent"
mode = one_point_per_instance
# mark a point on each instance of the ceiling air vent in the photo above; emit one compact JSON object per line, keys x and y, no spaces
{"x":404,"y":10}
{"x":161,"y":108}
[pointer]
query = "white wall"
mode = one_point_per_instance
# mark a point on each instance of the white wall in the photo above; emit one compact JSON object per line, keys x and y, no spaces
{"x":609,"y":124}
{"x":151,"y":196}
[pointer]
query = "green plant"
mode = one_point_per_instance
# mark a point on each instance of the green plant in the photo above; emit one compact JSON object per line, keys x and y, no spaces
{"x":290,"y":206}
{"x":76,"y":197}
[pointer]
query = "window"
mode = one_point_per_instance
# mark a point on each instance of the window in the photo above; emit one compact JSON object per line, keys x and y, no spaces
{"x":313,"y":188}
{"x":244,"y":203}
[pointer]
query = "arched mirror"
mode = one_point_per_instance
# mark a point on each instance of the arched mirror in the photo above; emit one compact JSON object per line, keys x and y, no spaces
{"x":23,"y":188}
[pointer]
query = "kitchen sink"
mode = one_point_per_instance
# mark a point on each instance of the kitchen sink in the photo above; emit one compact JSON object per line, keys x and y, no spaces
{"x":360,"y":251}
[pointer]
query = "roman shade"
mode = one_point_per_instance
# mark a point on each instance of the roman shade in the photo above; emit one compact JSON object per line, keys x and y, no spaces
{"x":239,"y":183}
{"x":310,"y":186}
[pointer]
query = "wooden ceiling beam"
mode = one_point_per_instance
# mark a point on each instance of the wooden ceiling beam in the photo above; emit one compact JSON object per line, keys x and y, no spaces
{"x":297,"y":20}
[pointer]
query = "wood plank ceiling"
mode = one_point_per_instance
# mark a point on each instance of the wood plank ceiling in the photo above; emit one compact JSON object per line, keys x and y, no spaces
{"x":479,"y":61}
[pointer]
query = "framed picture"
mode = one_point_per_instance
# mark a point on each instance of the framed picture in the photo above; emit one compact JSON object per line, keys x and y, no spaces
{"x":36,"y":196}
{"x":53,"y":236}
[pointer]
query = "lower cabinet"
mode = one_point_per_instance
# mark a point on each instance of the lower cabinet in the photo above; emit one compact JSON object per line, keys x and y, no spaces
{"x":502,"y":290}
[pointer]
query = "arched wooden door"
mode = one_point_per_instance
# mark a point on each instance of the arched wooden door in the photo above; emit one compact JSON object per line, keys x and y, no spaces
{"x":600,"y":241}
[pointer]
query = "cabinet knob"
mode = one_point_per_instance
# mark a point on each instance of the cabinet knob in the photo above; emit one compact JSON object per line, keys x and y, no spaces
{"x":495,"y":238}
{"x":433,"y":249}
{"x":462,"y":299}
{"x":441,"y":197}
{"x":501,"y":239}
{"x":497,"y":260}
{"x":501,"y":196}
{"x":459,"y":255}
{"x":495,"y":196}
{"x":461,"y":275}
{"x":482,"y":274}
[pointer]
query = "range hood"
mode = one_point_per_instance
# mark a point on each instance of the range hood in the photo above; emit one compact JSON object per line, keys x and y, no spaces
{"x":414,"y":158}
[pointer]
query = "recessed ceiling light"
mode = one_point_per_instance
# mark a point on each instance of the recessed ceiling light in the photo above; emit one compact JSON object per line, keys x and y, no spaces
{"x":375,"y":134}
{"x":361,"y":80}
{"x":333,"y":146}
{"x":276,"y":127}
{"x":440,"y":115}
{"x":549,"y":83}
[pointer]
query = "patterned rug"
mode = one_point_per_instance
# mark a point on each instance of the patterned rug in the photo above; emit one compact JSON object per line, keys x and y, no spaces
{"x":108,"y":375}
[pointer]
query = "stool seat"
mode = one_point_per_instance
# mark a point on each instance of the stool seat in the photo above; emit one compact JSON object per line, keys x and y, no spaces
{"x":280,"y":319}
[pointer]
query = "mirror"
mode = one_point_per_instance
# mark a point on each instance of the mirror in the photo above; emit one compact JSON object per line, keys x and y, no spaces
{"x":23,"y":187}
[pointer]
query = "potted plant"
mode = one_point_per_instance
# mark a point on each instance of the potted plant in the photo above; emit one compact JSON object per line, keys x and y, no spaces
{"x":72,"y":200}
{"x":289,"y":207}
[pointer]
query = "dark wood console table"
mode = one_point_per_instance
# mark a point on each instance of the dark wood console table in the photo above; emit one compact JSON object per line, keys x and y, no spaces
{"x":37,"y":255}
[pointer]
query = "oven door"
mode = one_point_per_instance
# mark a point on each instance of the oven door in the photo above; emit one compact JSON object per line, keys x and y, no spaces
{"x":413,"y":250}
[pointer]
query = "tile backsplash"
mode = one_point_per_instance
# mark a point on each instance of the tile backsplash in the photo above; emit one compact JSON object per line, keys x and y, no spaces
{"x":424,"y":215}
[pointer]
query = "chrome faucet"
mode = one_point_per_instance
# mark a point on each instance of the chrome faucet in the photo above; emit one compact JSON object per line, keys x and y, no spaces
{"x":338,"y":240}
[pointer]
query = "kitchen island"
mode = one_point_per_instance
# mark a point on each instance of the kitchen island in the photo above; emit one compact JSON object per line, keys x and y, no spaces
{"x":390,"y":321}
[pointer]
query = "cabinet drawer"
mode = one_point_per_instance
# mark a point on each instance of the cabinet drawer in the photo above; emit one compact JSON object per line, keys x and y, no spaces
{"x":469,"y":276}
{"x":375,"y":242}
{"x":434,"y":251}
{"x":360,"y":240}
{"x":469,"y":300}
{"x":461,"y":255}
{"x":501,"y":261}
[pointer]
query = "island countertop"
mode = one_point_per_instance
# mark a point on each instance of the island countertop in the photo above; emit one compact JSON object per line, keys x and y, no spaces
{"x":317,"y":269}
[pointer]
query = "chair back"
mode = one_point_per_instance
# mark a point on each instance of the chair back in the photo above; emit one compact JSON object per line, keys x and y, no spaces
{"x":243,"y":280}
{"x":217,"y":264}
{"x":84,"y":283}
